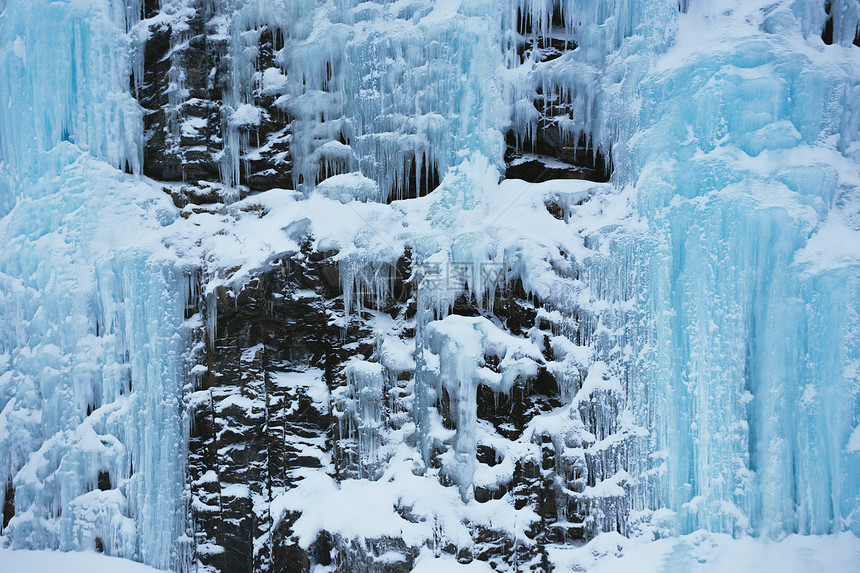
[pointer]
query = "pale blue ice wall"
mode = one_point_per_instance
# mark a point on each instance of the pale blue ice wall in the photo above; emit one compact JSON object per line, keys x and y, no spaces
{"x":91,"y":310}
{"x":745,"y":150}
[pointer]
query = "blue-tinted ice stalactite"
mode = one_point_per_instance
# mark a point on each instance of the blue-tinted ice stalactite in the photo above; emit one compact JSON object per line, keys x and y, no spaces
{"x":92,"y":353}
{"x":394,"y":92}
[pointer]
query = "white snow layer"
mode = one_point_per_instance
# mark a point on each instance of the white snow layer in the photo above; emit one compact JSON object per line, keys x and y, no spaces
{"x":714,"y":282}
{"x":703,"y":552}
{"x":71,"y":562}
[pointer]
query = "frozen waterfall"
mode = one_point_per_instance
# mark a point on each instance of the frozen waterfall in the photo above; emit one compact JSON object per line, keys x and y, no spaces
{"x":279,"y":263}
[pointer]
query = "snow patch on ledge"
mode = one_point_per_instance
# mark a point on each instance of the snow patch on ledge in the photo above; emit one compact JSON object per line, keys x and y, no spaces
{"x":428,"y":563}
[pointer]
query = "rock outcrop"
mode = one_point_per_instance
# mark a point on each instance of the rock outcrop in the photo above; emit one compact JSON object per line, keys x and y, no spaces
{"x":274,"y":399}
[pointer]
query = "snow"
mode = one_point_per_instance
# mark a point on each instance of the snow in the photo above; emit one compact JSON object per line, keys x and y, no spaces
{"x":428,"y":563}
{"x":70,"y":562}
{"x":311,"y":382}
{"x":441,"y":10}
{"x":854,"y":440}
{"x":246,"y":115}
{"x":703,"y":552}
{"x":399,"y":504}
{"x":836,"y":244}
{"x":348,"y":187}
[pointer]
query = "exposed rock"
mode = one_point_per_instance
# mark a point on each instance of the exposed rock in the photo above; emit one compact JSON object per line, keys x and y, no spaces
{"x":272,"y":395}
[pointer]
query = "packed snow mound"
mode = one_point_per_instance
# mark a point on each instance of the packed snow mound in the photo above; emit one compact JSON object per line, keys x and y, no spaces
{"x":349,"y":187}
{"x":428,"y":563}
{"x":702,"y":552}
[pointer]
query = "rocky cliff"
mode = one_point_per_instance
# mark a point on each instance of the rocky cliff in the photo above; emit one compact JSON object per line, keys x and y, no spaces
{"x":277,"y":401}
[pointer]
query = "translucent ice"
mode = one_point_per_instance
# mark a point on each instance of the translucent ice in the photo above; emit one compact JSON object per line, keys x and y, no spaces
{"x":91,"y":422}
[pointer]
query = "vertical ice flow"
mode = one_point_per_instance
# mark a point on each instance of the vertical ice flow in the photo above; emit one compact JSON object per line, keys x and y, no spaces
{"x":92,"y":356}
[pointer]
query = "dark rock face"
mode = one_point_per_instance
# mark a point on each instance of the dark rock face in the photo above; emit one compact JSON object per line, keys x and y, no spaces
{"x":554,"y":157}
{"x":272,"y":355}
{"x":258,"y":420}
{"x":187,"y":72}
{"x":183,"y":135}
{"x":550,"y":153}
{"x":8,"y":504}
{"x":252,"y":426}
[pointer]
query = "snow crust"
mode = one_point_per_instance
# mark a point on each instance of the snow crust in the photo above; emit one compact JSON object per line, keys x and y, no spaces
{"x":83,"y":562}
{"x":702,"y":552}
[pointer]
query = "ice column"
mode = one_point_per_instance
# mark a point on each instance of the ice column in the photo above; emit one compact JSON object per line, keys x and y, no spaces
{"x":92,"y":364}
{"x":366,"y":382}
{"x":738,"y":165}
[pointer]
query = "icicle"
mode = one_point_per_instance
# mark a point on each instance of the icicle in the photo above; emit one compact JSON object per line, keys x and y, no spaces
{"x":367,"y":383}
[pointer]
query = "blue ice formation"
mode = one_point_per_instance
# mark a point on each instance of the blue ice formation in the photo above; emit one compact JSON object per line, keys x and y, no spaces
{"x":93,"y":353}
